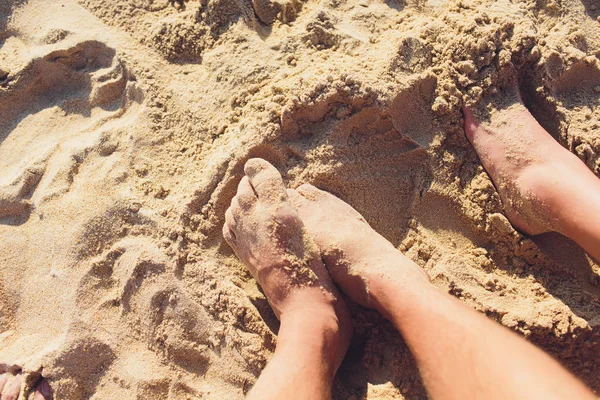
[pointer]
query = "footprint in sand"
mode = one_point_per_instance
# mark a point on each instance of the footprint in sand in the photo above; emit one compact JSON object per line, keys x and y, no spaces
{"x":179,"y":329}
{"x":118,"y":275}
{"x":135,"y":278}
{"x":68,"y":79}
{"x":14,"y":196}
{"x":85,"y":359}
{"x":74,"y":77}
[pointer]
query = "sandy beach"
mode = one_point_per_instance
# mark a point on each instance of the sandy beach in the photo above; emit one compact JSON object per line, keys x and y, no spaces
{"x":124,"y":128}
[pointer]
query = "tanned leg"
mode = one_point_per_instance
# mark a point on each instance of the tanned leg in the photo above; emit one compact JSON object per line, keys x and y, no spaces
{"x":461,"y":354}
{"x":543,"y":186}
{"x":266,"y":233}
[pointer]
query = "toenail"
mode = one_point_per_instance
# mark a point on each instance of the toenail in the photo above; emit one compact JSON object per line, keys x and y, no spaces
{"x":45,"y":388}
{"x":255,"y":165}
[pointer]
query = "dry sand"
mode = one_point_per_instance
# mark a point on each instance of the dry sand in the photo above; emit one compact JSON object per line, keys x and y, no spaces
{"x":124,"y":125}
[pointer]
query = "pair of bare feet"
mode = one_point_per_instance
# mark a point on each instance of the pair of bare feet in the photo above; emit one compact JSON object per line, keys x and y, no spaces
{"x":10,"y":387}
{"x":298,"y":243}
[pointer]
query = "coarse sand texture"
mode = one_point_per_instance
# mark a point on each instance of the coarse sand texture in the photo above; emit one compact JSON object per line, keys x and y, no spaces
{"x":124,"y":128}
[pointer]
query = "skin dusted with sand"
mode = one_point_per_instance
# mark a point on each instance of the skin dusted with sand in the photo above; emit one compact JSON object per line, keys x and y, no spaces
{"x":460,"y":353}
{"x":124,"y":129}
{"x":543,"y":186}
{"x":358,"y":258}
{"x":266,"y":232}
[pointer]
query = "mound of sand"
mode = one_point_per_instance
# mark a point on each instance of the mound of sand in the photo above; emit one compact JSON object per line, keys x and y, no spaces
{"x":124,"y":128}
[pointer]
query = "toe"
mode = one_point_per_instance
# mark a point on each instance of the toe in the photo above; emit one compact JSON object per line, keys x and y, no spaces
{"x":245,"y":194}
{"x":12,"y":389}
{"x":265,"y":179}
{"x":3,"y":379}
{"x":325,"y":200}
{"x":43,"y":391}
{"x":470,"y":123}
{"x":297,"y":200}
{"x":293,"y":194}
{"x":230,"y":220}
{"x":310,"y":192}
{"x":228,"y":233}
{"x":235,"y":208}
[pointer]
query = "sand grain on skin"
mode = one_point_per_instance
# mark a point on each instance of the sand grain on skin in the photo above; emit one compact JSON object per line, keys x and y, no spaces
{"x":125,"y":127}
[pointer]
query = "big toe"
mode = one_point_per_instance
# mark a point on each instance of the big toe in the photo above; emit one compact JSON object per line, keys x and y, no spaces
{"x":325,"y":200}
{"x":265,"y":179}
{"x":310,"y":192}
{"x":309,"y":211}
{"x":296,"y":198}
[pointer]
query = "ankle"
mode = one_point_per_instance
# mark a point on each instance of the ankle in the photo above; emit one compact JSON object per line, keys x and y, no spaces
{"x":314,"y":317}
{"x":300,"y":302}
{"x":573,"y":200}
{"x":397,"y":300}
{"x":395,"y":282}
{"x":312,"y":329}
{"x":555,"y":187}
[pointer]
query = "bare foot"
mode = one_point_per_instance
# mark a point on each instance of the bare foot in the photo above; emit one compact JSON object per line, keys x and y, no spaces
{"x":526,"y":164}
{"x":266,"y":233}
{"x":359,"y":259}
{"x":10,"y":387}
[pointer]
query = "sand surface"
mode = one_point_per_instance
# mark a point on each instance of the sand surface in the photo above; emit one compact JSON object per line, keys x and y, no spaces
{"x":124,"y":126}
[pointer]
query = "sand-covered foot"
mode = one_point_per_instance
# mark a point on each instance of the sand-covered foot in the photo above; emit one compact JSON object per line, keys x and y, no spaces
{"x":10,"y":388}
{"x":264,"y":229}
{"x":359,"y":259}
{"x":528,"y":167}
